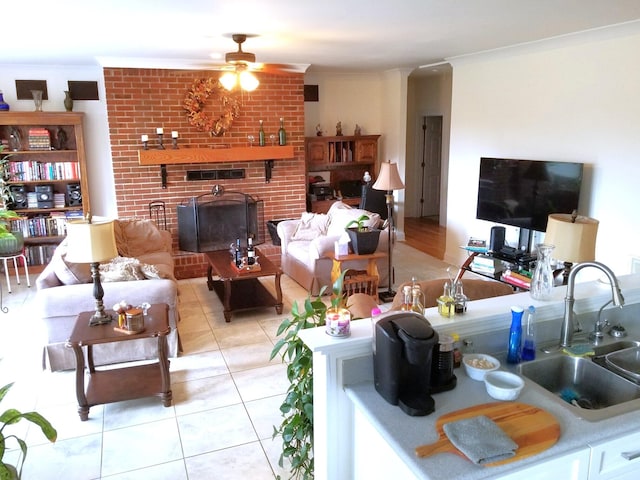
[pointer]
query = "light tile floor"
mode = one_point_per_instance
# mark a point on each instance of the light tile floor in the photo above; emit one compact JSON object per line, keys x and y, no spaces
{"x":226,"y":394}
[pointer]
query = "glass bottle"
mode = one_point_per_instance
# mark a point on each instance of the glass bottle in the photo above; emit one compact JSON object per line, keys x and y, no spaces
{"x":251,"y":252}
{"x":445,"y":302}
{"x":4,"y":106}
{"x":261,"y":139}
{"x":282,"y":134}
{"x":529,"y":335}
{"x":459,"y":298}
{"x":238,"y":254}
{"x":406,"y":298}
{"x":542,"y":278}
{"x":417,"y":300}
{"x":514,"y":352}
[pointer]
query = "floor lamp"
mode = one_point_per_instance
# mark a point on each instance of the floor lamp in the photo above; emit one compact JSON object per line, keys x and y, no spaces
{"x":389,"y":180}
{"x":92,"y":242}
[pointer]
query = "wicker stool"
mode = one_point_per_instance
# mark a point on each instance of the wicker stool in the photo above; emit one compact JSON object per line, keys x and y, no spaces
{"x":14,"y":258}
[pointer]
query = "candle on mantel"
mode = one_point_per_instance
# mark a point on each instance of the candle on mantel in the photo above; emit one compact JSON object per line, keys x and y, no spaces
{"x":159,"y":131}
{"x":145,"y":138}
{"x":174,"y":134}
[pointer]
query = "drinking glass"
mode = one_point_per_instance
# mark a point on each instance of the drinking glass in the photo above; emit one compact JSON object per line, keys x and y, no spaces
{"x":251,"y":139}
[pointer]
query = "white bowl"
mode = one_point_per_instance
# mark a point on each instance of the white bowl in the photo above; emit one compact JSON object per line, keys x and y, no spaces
{"x":503,"y":385}
{"x":475,"y":372}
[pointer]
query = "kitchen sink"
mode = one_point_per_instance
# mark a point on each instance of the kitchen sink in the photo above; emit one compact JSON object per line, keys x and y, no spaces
{"x":583,"y":385}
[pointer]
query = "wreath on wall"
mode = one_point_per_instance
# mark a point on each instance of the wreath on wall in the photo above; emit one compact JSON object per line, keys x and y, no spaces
{"x":196,"y":100}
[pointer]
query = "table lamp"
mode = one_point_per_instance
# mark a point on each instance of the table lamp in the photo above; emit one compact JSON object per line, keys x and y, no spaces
{"x":389,"y":180}
{"x":92,"y":242}
{"x":574,"y":239}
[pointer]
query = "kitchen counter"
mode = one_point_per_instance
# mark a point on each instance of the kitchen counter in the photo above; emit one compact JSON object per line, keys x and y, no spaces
{"x":405,"y":433}
{"x":344,"y":391}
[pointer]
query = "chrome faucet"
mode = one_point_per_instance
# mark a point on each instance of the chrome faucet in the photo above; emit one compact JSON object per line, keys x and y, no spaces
{"x":566,"y":333}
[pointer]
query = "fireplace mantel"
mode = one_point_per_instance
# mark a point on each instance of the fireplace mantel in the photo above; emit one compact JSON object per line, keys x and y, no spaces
{"x":175,"y":156}
{"x":172,"y":156}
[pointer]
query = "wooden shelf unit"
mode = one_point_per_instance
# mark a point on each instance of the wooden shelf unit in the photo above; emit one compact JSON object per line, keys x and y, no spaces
{"x":345,"y":158}
{"x":57,"y":167}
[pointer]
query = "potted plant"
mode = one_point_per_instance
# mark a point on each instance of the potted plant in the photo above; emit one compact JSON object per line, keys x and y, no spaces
{"x":10,"y":242}
{"x":296,"y":428}
{"x":364,"y":240}
{"x":10,"y":417}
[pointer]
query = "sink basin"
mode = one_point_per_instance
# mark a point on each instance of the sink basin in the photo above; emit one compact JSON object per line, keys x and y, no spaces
{"x":626,"y":362}
{"x":602,"y":350}
{"x":598,"y":393}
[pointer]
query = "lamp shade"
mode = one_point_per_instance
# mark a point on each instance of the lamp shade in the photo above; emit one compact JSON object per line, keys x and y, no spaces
{"x":90,"y":242}
{"x":388,"y":178}
{"x":574,"y":241}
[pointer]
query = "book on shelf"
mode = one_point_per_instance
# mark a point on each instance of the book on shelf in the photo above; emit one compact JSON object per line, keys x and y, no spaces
{"x":486,"y":264}
{"x":516,"y":279}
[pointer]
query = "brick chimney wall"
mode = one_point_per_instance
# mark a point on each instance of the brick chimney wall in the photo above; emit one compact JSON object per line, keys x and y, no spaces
{"x":141,"y":100}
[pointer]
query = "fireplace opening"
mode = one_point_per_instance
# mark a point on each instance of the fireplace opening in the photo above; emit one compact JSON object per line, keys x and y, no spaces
{"x":213,"y":221}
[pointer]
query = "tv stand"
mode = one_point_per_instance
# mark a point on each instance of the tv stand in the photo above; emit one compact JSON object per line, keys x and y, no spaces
{"x":516,"y":262}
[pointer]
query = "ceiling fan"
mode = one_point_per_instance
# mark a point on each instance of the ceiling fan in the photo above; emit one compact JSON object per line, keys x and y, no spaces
{"x":240,"y":64}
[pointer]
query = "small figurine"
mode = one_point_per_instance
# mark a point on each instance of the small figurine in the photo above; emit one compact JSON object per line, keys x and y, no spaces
{"x":357,"y":131}
{"x":318,"y":130}
{"x":339,"y":129}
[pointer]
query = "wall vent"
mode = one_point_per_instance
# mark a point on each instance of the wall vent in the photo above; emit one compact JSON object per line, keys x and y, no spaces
{"x":225,"y":174}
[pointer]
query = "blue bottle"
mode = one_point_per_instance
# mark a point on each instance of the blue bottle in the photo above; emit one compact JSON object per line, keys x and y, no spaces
{"x":515,"y":336}
{"x":529,"y":335}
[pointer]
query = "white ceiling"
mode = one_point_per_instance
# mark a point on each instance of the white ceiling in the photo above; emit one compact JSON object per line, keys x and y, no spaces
{"x":326,"y":35}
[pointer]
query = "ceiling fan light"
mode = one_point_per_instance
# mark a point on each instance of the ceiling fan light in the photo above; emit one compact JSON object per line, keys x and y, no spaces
{"x":248,"y":81}
{"x":229,"y":80}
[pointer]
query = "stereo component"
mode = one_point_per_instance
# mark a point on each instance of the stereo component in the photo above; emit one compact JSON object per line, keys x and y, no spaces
{"x":74,"y":195}
{"x":18,"y":196}
{"x":44,"y":194}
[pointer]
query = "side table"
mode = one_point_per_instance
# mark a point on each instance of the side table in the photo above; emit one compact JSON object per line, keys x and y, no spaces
{"x":372,"y":266}
{"x":129,"y":381}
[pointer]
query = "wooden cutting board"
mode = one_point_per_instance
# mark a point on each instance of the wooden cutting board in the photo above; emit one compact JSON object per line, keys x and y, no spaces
{"x":532,"y":428}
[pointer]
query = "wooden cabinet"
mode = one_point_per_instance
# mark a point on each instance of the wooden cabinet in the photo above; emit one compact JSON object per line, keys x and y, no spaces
{"x":45,"y":164}
{"x":338,"y":160}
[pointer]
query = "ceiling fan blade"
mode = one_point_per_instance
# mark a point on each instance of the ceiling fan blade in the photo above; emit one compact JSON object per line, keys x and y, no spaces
{"x":278,"y":68}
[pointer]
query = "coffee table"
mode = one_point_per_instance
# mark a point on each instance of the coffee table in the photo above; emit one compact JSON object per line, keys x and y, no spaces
{"x":126,"y":382}
{"x":242,"y":290}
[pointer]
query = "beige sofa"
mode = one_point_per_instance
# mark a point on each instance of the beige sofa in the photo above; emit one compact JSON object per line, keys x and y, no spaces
{"x":306,"y":242}
{"x":145,"y":274}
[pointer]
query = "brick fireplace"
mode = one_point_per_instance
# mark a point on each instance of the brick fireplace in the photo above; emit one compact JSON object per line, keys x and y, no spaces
{"x":141,"y":100}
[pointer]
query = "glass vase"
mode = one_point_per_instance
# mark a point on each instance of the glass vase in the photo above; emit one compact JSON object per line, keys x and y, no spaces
{"x":4,"y":106}
{"x":542,"y":278}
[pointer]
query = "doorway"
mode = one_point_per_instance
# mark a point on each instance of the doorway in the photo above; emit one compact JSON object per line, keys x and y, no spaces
{"x":429,"y":166}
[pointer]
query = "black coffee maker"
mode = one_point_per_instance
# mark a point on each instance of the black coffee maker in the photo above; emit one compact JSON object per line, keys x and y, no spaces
{"x":404,"y":344}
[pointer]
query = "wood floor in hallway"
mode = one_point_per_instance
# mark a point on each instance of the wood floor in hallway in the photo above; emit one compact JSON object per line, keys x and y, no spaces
{"x":426,"y":235}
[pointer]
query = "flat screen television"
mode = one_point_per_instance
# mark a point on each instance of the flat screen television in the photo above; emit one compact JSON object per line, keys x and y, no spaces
{"x":522,"y":193}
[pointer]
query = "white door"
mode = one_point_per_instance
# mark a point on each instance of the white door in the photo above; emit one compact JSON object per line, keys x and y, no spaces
{"x":429,"y":167}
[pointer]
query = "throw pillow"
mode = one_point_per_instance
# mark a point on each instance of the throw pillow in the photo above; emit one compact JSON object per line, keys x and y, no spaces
{"x":135,"y":237}
{"x":121,"y":269}
{"x":311,"y":225}
{"x":339,"y":218}
{"x":67,"y":272}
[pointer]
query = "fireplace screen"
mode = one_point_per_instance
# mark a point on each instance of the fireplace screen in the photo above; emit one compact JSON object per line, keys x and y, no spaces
{"x":213,"y":222}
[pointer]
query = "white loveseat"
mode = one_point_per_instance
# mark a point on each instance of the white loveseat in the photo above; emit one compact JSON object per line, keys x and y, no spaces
{"x":306,"y":243}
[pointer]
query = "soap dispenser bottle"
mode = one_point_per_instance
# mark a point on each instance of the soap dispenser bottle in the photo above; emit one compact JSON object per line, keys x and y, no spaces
{"x":529,"y":335}
{"x":514,"y":352}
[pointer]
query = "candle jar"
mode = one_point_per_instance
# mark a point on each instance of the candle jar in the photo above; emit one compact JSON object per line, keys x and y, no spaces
{"x":338,"y":322}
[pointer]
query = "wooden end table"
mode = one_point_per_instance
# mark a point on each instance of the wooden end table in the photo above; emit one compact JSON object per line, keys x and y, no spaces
{"x":127,"y":382}
{"x":242,"y":290}
{"x":372,"y":265}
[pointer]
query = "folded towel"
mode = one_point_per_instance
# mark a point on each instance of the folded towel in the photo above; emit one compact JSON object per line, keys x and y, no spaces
{"x":480,"y":439}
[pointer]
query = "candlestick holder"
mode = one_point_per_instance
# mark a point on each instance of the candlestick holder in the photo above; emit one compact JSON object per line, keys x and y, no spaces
{"x":174,"y":142}
{"x":145,"y":145}
{"x":160,"y":145}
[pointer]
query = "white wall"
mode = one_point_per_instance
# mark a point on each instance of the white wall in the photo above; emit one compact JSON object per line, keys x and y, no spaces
{"x":96,"y":127}
{"x":349,"y":98}
{"x":576,"y":99}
